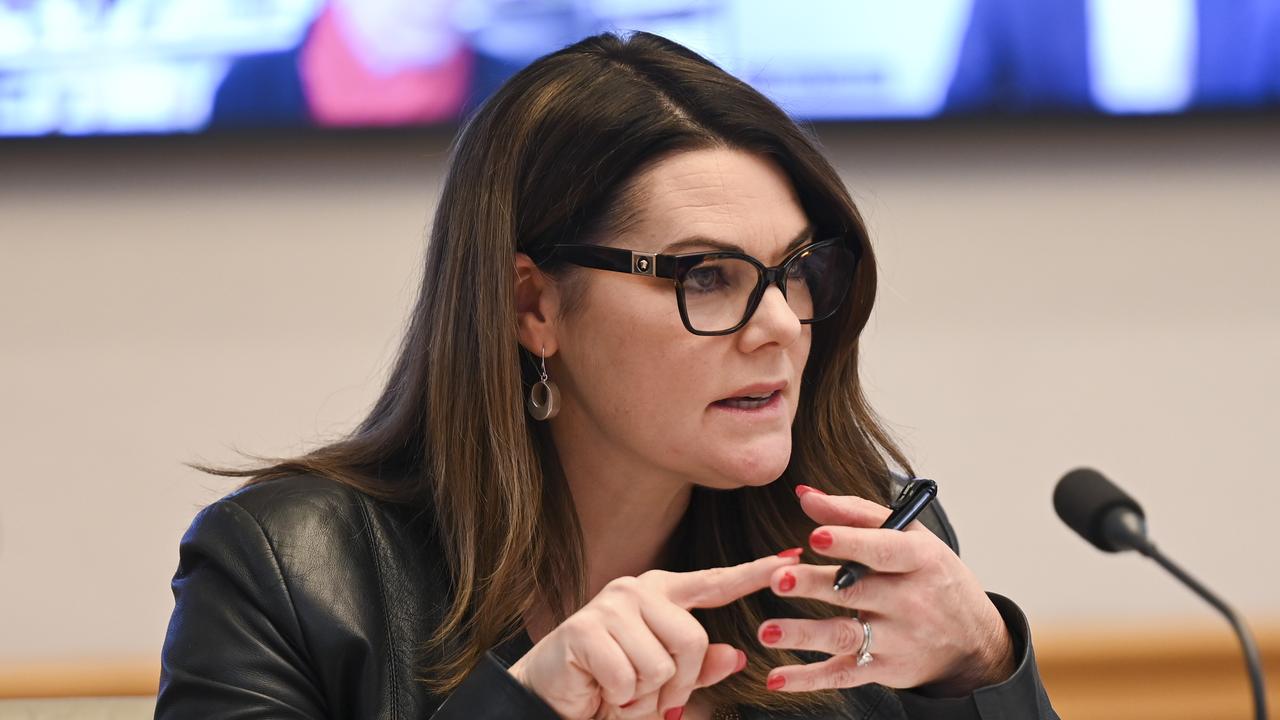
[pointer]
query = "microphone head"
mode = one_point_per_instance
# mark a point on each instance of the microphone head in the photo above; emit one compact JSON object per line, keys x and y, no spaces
{"x":1084,"y":498}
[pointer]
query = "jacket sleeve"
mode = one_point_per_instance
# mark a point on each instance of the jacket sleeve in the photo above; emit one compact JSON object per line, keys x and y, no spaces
{"x":234,"y":647}
{"x":1021,"y":696}
{"x":492,"y":693}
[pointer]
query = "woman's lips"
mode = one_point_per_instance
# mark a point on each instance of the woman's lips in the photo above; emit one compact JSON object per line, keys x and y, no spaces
{"x":748,"y":407}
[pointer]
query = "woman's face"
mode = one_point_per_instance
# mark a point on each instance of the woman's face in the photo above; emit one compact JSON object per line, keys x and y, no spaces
{"x":637,"y":385}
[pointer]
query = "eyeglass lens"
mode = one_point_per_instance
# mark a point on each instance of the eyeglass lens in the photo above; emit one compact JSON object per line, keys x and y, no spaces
{"x":717,"y":291}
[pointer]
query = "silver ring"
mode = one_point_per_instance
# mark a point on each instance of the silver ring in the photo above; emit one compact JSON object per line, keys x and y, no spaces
{"x":864,"y":652}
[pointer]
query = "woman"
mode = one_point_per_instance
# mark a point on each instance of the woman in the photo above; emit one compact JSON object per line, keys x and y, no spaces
{"x":633,"y":358}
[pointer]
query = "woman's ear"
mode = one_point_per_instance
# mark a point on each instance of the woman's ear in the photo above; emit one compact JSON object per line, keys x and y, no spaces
{"x":537,"y":307}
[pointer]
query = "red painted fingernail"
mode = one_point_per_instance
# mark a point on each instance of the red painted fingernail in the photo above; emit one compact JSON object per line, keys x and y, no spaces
{"x":793,"y":552}
{"x":772,"y":634}
{"x":674,"y":713}
{"x":742,"y":661}
{"x":787,"y":583}
{"x":801,"y":490}
{"x":820,"y":539}
{"x":776,"y":682}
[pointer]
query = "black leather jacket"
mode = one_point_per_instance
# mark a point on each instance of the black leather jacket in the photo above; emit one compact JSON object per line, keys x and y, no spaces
{"x":302,"y":598}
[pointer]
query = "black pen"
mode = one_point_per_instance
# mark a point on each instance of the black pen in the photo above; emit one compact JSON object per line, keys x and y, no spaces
{"x":914,"y":498}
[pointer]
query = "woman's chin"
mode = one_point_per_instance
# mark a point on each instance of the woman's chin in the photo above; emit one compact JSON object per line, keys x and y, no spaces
{"x":753,"y":466}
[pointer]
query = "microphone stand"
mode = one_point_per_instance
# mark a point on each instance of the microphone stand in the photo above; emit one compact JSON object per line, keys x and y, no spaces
{"x":1127,"y":529}
{"x":1251,"y":659}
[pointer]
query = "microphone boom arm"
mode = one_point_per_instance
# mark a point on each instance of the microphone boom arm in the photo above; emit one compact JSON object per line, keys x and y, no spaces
{"x":1126,"y":529}
{"x":1253,"y":663}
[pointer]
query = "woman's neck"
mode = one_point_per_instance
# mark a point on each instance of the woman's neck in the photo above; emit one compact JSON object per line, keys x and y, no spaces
{"x":627,"y":522}
{"x":628,"y":509}
{"x":626,"y":531}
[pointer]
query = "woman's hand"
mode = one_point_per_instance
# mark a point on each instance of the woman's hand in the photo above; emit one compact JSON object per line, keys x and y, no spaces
{"x":634,"y":650}
{"x":932,"y":626}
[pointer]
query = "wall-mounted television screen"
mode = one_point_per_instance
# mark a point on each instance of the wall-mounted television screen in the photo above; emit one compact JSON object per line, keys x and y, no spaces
{"x":85,"y":67}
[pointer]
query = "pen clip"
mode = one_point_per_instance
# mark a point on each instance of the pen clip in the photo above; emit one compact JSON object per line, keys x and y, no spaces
{"x":908,"y":491}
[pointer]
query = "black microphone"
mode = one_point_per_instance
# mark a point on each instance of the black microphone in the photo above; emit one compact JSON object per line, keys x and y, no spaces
{"x":1112,"y":521}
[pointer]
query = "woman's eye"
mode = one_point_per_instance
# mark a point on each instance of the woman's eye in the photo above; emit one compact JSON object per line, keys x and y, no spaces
{"x":805,"y":269}
{"x":705,"y":279}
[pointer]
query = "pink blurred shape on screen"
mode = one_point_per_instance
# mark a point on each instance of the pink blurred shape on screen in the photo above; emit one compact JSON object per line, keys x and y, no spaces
{"x":342,"y":90}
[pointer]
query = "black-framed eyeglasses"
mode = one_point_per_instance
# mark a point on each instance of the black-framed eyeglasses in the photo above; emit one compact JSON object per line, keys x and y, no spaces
{"x":718,"y":291}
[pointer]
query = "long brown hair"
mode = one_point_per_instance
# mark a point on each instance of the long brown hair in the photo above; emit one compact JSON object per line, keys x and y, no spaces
{"x":548,"y":159}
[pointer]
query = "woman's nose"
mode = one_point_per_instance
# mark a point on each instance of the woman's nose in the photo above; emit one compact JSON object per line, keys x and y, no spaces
{"x":773,"y":321}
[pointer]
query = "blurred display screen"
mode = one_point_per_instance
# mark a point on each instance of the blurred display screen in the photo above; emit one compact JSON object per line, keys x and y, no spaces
{"x":78,"y":67}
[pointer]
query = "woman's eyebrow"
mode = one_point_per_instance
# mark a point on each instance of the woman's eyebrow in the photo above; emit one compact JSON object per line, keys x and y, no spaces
{"x":700,"y":241}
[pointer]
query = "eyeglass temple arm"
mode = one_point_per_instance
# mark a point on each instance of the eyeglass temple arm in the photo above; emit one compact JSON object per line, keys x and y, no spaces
{"x":615,"y":259}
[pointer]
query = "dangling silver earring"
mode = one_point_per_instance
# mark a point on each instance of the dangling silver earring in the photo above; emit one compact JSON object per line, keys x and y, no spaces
{"x":544,"y":396}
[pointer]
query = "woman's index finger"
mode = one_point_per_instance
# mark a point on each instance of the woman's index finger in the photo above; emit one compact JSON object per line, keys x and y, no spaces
{"x":719,"y":586}
{"x":849,"y":510}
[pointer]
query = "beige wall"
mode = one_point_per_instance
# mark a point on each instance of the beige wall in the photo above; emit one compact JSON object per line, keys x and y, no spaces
{"x":1051,"y":297}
